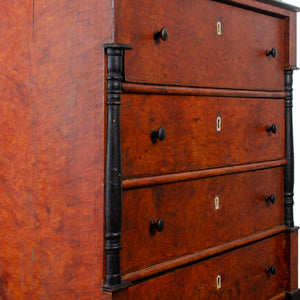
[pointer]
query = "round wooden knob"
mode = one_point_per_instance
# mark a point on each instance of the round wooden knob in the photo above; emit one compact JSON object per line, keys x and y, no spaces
{"x":272,"y":52}
{"x":272,"y":128}
{"x":163,"y":34}
{"x":158,"y":225}
{"x":271,"y":269}
{"x":270,"y":199}
{"x":158,"y":134}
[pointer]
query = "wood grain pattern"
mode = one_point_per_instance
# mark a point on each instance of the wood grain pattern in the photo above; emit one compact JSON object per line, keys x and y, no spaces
{"x":177,"y":177}
{"x":191,"y":221}
{"x":280,"y":296}
{"x":241,"y":278}
{"x":17,"y":159}
{"x":52,"y":141}
{"x":293,"y":255}
{"x":134,"y":88}
{"x":192,"y":141}
{"x":192,"y":57}
{"x":203,"y":254}
{"x":290,"y":20}
{"x":68,"y":65}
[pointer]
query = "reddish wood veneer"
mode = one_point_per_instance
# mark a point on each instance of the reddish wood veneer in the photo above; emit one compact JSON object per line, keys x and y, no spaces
{"x":177,"y":177}
{"x":191,"y":221}
{"x":192,"y":141}
{"x":203,"y":254}
{"x":52,"y":148}
{"x":192,"y":57}
{"x":52,"y":145}
{"x":135,"y":88}
{"x":240,"y":278}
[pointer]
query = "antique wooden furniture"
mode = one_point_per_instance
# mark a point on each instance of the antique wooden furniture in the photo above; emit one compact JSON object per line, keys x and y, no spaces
{"x":147,"y":150}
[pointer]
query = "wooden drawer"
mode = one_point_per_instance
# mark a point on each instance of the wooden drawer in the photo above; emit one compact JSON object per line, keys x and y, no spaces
{"x":191,"y":220}
{"x":242,"y":272}
{"x":194,"y":54}
{"x":192,"y":141}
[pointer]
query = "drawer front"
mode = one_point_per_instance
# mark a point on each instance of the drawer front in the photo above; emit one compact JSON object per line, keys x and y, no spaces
{"x":242,"y":276}
{"x":193,"y":219}
{"x":194,"y":53}
{"x":192,"y":140}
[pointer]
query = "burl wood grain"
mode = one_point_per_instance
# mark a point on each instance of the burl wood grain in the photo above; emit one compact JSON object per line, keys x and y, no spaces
{"x":52,"y":148}
{"x":17,"y":159}
{"x":194,"y":55}
{"x":242,"y":273}
{"x":191,"y":221}
{"x":293,"y":255}
{"x":290,"y":20}
{"x":192,"y":141}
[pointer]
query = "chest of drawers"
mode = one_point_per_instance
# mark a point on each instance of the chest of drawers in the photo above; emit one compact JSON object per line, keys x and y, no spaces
{"x":206,"y":150}
{"x":147,"y":150}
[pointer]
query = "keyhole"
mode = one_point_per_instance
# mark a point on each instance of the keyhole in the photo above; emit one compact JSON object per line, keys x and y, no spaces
{"x":218,"y":123}
{"x":219,"y":28}
{"x":219,"y":285}
{"x":217,"y":203}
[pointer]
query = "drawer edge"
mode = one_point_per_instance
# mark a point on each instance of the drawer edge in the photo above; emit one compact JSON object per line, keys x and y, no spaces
{"x":193,"y":175}
{"x":185,"y":260}
{"x":140,"y":88}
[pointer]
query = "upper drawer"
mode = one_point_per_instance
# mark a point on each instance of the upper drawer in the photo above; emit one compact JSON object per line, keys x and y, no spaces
{"x":192,"y":139}
{"x":195,"y":54}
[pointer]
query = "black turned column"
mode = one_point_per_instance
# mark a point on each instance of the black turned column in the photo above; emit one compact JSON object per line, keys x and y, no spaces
{"x":113,"y":182}
{"x":289,"y":150}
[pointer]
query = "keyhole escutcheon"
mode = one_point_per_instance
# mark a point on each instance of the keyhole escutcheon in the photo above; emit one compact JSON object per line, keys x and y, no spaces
{"x":219,"y":285}
{"x":217,"y":203}
{"x":219,"y":28}
{"x":219,"y":121}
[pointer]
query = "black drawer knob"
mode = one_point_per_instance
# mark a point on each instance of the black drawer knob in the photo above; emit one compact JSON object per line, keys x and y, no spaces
{"x":272,"y":128}
{"x":270,"y":199}
{"x":271,"y":270}
{"x":158,"y":225}
{"x":158,"y":134}
{"x":163,"y":34}
{"x":272,"y":52}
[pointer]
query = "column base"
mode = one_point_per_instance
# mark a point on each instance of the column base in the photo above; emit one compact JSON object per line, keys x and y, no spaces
{"x":115,"y":288}
{"x":293,"y":295}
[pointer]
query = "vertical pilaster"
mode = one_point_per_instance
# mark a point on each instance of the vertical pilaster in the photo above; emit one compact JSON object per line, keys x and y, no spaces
{"x":289,"y":150}
{"x":113,"y":182}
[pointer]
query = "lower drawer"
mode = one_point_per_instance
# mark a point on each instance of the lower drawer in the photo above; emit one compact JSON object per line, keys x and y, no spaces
{"x":193,"y":221}
{"x":257,"y":271}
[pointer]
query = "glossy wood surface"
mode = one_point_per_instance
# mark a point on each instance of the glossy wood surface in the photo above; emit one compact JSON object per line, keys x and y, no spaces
{"x":52,"y":141}
{"x":191,"y":221}
{"x":280,"y":296}
{"x":177,"y":177}
{"x":240,"y":278}
{"x":192,"y":141}
{"x":192,"y":57}
{"x":293,"y":254}
{"x":290,"y":20}
{"x":137,"y":88}
{"x":202,"y":254}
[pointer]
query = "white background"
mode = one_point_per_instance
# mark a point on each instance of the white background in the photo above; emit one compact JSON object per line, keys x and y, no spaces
{"x":297,"y":126}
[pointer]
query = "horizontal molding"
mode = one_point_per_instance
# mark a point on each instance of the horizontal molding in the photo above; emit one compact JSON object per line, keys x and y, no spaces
{"x":278,"y":9}
{"x":133,"y":88}
{"x":281,"y":4}
{"x":280,"y":296}
{"x":204,"y":254}
{"x":193,"y":175}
